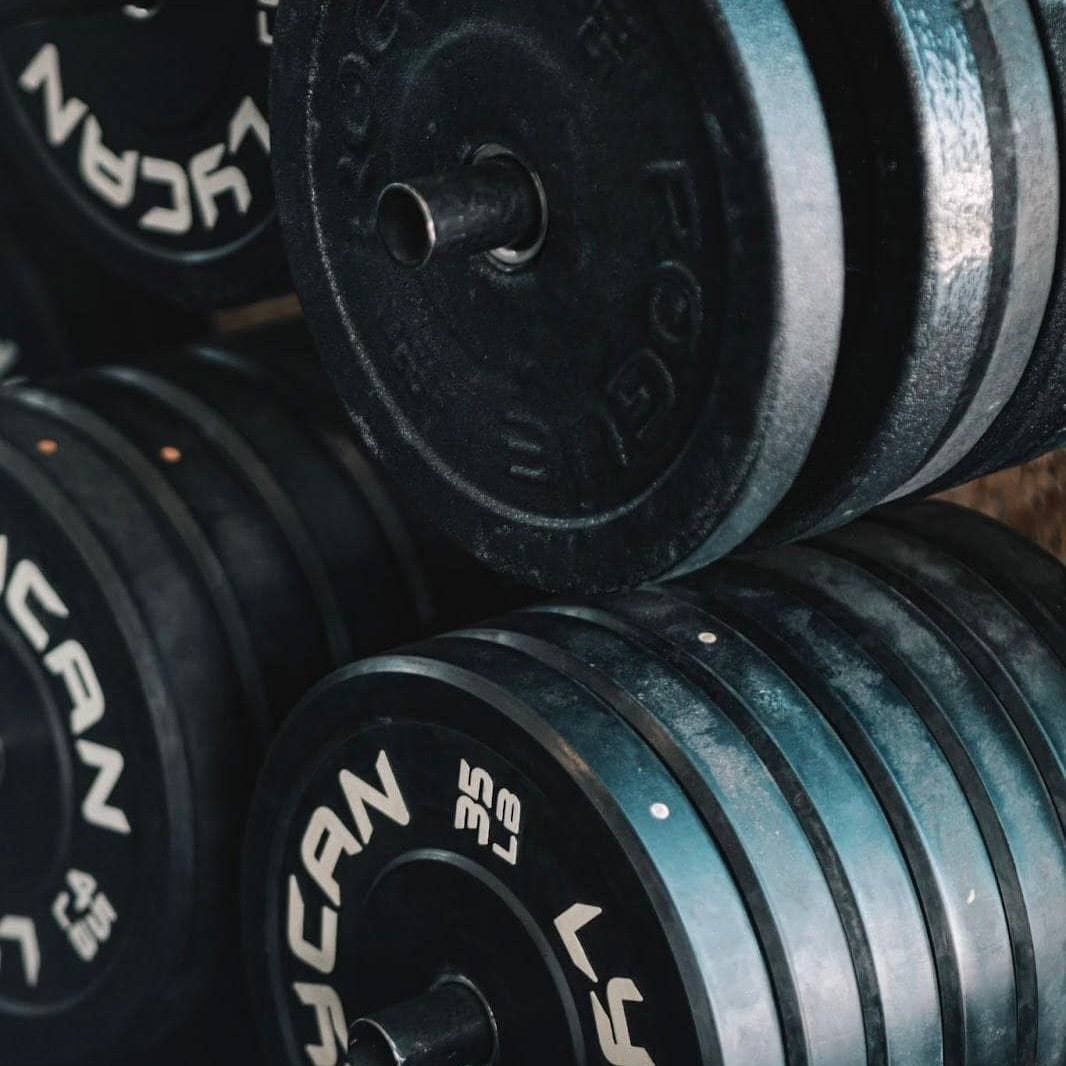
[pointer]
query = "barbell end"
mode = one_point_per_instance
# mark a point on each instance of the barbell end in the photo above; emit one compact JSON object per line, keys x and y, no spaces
{"x":495,"y":205}
{"x":447,"y":1025}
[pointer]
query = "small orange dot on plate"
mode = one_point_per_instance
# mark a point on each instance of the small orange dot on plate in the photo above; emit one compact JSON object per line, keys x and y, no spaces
{"x":170,"y":454}
{"x":48,"y":447}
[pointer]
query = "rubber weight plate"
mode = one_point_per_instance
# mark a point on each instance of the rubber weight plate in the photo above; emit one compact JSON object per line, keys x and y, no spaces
{"x":944,"y":133}
{"x":990,"y":761}
{"x":478,"y":849}
{"x":1035,"y":419}
{"x":96,"y":961}
{"x":815,"y":778}
{"x":301,"y":436}
{"x":145,"y":127}
{"x":891,"y":746}
{"x":169,"y":581}
{"x":639,"y":394}
{"x":979,"y":621}
{"x":1025,"y":216}
{"x":573,"y":892}
{"x":283,"y":589}
{"x":790,"y":899}
{"x":1031,"y":580}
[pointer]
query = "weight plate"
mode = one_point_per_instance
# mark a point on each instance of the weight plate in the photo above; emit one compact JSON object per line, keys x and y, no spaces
{"x":638,"y":397}
{"x":148,"y":137}
{"x":1032,"y":581}
{"x":339,"y":497}
{"x":96,"y":965}
{"x":1034,"y":421}
{"x":871,"y":886}
{"x":989,"y":758}
{"x":867,"y":808}
{"x":950,"y":205}
{"x":1025,"y":214}
{"x":1023,"y":673}
{"x":751,"y":821}
{"x":587,"y":918}
{"x":232,"y":504}
{"x":949,"y":862}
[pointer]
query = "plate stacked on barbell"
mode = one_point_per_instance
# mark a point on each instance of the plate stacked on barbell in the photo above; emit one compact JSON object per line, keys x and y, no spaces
{"x":809,"y":807}
{"x":616,"y":287}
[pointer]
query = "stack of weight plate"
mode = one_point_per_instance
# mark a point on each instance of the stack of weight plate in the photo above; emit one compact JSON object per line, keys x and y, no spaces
{"x":611,"y":292}
{"x":809,"y":807}
{"x":657,"y":281}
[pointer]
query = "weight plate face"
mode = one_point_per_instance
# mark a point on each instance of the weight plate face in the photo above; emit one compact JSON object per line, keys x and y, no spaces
{"x":648,"y":378}
{"x":390,"y":847}
{"x":150,"y":136}
{"x":92,"y":853}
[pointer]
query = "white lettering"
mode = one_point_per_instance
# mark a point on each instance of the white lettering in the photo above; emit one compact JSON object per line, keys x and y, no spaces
{"x":329,"y":1015}
{"x":568,"y":925}
{"x":113,"y":177}
{"x":109,"y":764}
{"x":60,"y":118}
{"x":26,"y":581}
{"x":322,"y":957}
{"x":71,"y":661}
{"x":389,"y":802}
{"x":324,"y":841}
{"x":613,"y":1027}
{"x":248,"y":119}
{"x":26,"y":594}
{"x":210,"y":181}
{"x":23,"y":932}
{"x":177,"y":218}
